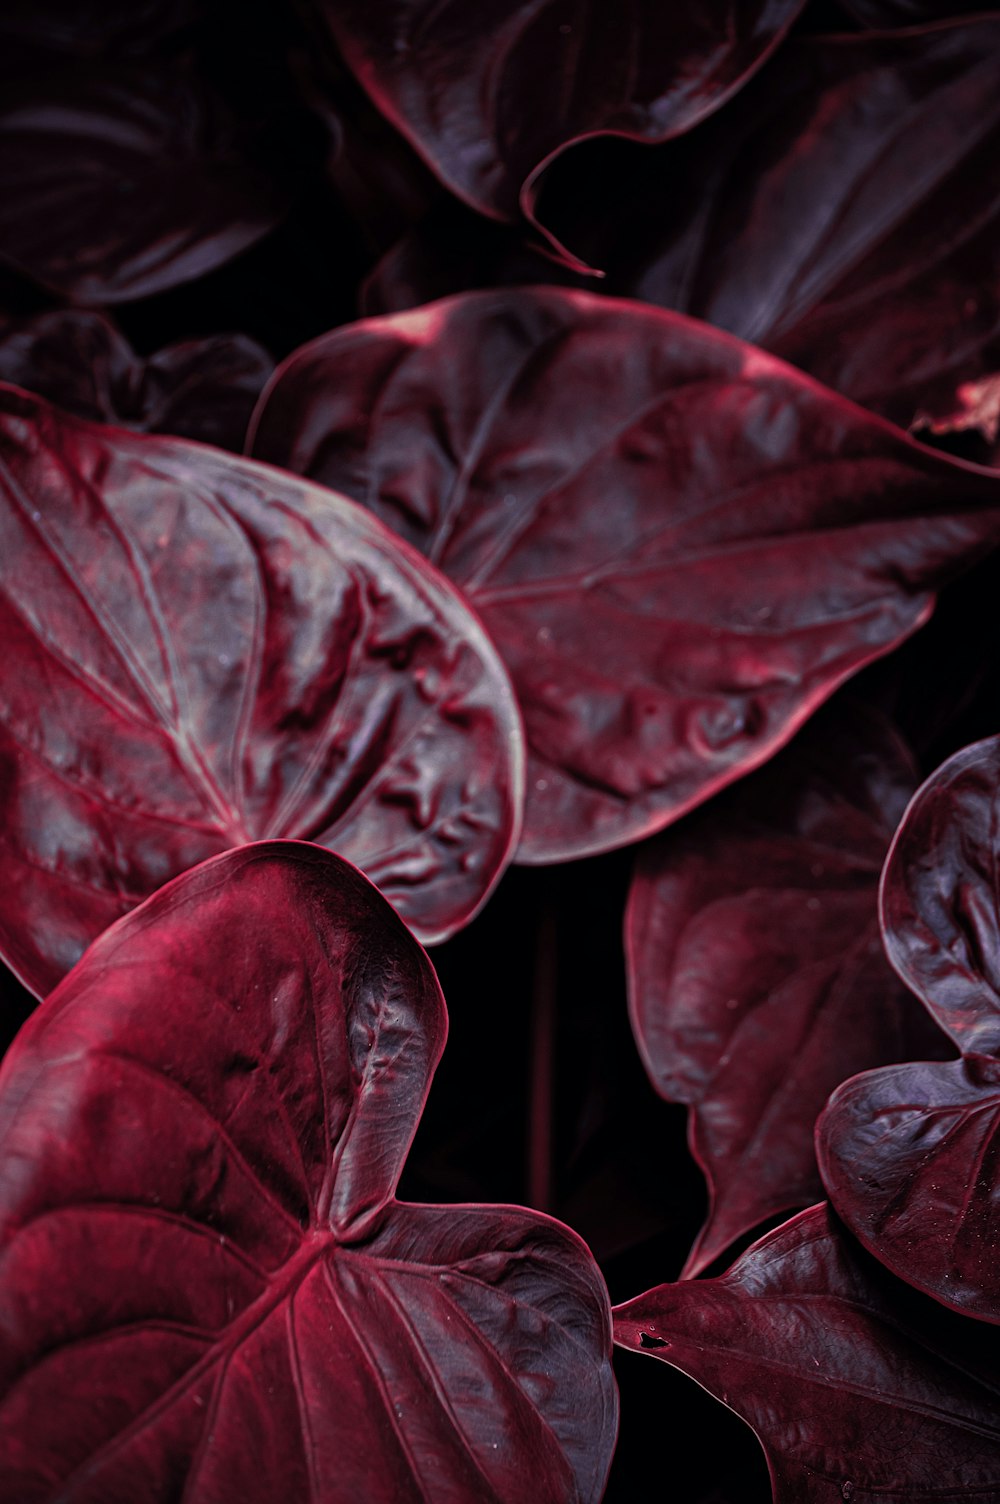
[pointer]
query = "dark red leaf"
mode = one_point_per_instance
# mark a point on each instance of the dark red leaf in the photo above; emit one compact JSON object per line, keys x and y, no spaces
{"x":911,"y":1155}
{"x":123,"y":179}
{"x":200,"y":651}
{"x":489,"y":95}
{"x":854,"y":1394}
{"x":757,"y":980}
{"x":201,"y":389}
{"x":209,"y":1288}
{"x":679,"y":545}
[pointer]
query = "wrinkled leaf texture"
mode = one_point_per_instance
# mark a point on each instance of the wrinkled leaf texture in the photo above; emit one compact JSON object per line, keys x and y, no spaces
{"x":209,"y":1288}
{"x":757,"y":979}
{"x":679,"y":545}
{"x":489,"y":95}
{"x":200,"y":652}
{"x":855,"y":1393}
{"x":911,"y":1154}
{"x":202,"y":389}
{"x":125,"y":178}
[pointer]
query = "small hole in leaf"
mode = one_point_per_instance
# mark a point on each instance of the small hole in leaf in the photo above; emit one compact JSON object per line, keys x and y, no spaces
{"x":646,"y":1339}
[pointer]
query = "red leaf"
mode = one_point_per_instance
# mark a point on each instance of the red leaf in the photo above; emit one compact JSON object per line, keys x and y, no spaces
{"x":200,"y":652}
{"x":124,"y":179}
{"x":489,"y":96}
{"x":855,"y":1394}
{"x":208,"y":1286}
{"x":757,"y":979}
{"x":201,"y":389}
{"x":679,"y":545}
{"x":910,"y":1155}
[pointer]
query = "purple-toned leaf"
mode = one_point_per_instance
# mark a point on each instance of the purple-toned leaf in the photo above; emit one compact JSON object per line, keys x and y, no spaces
{"x":679,"y":545}
{"x":940,"y":893}
{"x":124,"y":179}
{"x":490,"y":95}
{"x":855,"y":1394}
{"x":201,"y":651}
{"x":911,"y":1159}
{"x":757,"y":980}
{"x":201,"y":389}
{"x":209,"y":1289}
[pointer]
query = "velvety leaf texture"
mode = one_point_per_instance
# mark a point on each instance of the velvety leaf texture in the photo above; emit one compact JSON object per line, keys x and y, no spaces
{"x":201,"y":389}
{"x":199,"y":652}
{"x":125,"y":179}
{"x":911,"y":1155}
{"x":488,"y":95}
{"x":679,"y":545}
{"x":856,"y":1395}
{"x":251,"y":1315}
{"x":757,"y":979}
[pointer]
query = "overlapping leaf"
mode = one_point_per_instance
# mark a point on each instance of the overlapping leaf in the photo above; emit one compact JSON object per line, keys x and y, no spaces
{"x":200,"y":389}
{"x":124,"y":179}
{"x":489,"y":95}
{"x":911,"y":1155}
{"x":757,"y":980}
{"x":679,"y":545}
{"x":856,"y":1393}
{"x":205,"y":1124}
{"x":200,"y":652}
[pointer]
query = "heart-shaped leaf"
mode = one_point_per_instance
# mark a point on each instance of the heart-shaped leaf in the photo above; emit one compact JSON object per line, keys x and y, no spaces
{"x":208,"y":1287}
{"x":679,"y":545}
{"x":757,"y":980}
{"x":200,"y":651}
{"x":124,"y":179}
{"x":856,"y":1393}
{"x":201,"y":389}
{"x":489,"y":95}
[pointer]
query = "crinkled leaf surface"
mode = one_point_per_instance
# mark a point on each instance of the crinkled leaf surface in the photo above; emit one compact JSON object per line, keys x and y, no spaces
{"x":201,"y":389}
{"x":757,"y":979}
{"x":911,"y":1155}
{"x":208,"y":1287}
{"x":843,"y":212}
{"x":488,"y":95}
{"x":123,"y":179}
{"x":856,"y":1392}
{"x":200,"y":651}
{"x":679,"y":545}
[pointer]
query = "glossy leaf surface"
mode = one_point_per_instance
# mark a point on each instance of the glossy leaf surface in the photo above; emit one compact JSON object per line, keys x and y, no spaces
{"x":201,"y":652}
{"x":855,"y":1393}
{"x":125,"y":179}
{"x":212,"y":1151}
{"x":489,"y":95}
{"x":200,"y":389}
{"x":679,"y":545}
{"x":757,"y":979}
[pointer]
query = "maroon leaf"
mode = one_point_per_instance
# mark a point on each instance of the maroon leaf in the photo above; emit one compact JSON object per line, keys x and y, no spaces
{"x":201,"y":389}
{"x":757,"y":980}
{"x":911,"y":1155}
{"x":123,"y":179}
{"x":209,"y":1288}
{"x":679,"y":545}
{"x":854,"y":1394}
{"x":200,"y":652}
{"x":939,"y":898}
{"x":489,"y":96}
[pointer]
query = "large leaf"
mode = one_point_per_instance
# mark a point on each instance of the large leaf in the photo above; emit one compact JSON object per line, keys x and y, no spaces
{"x":856,"y":1393}
{"x":489,"y":95}
{"x":200,"y":652}
{"x":679,"y":545}
{"x":200,"y":389}
{"x":911,"y":1155}
{"x":757,"y":980}
{"x":208,"y":1287}
{"x":124,"y":179}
